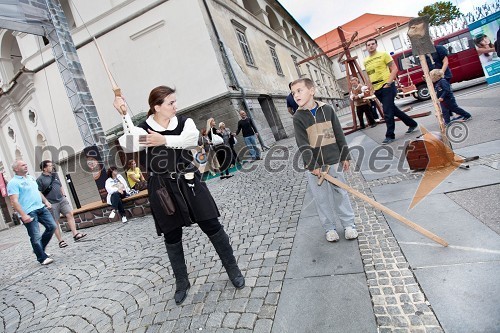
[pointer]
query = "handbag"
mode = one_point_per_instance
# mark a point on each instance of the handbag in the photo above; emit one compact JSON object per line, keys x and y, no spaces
{"x":217,"y":140}
{"x":166,"y":202}
{"x":142,"y":185}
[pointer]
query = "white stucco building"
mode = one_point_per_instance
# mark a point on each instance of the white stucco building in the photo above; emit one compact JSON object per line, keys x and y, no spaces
{"x":220,"y":55}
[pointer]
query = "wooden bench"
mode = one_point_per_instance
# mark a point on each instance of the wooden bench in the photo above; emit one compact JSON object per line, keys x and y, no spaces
{"x":97,"y":213}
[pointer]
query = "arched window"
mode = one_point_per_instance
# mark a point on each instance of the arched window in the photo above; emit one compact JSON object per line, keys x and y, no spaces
{"x":295,"y":38}
{"x":287,"y":32}
{"x":252,"y":6}
{"x":10,"y":55}
{"x":273,"y":19}
{"x":19,"y":156}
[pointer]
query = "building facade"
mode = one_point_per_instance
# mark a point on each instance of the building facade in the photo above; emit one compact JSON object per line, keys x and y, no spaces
{"x":222,"y":56}
{"x":390,"y":32}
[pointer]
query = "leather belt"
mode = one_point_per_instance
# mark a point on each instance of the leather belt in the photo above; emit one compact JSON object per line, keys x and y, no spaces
{"x":166,"y":174}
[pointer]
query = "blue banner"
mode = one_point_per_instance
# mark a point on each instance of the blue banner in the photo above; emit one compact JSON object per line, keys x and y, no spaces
{"x":485,"y":33}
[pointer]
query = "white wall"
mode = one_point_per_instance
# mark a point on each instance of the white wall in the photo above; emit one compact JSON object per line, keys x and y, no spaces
{"x":384,"y":45}
{"x":161,"y":47}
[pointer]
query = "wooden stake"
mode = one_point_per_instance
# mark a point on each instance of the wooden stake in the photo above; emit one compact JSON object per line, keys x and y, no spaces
{"x":384,"y":209}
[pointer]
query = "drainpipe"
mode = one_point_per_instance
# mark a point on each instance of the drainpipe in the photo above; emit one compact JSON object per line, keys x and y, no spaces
{"x":230,"y":68}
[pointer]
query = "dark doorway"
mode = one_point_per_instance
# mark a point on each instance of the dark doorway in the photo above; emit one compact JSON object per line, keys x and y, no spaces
{"x":272,"y":117}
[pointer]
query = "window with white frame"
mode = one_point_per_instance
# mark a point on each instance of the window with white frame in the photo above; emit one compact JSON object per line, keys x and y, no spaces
{"x":309,"y":70}
{"x":297,"y":67}
{"x":342,"y":66}
{"x":275,"y":60}
{"x":396,"y":43}
{"x":245,"y":48}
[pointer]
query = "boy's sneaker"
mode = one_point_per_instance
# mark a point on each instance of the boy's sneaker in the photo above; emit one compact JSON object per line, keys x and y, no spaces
{"x":411,"y":129}
{"x":112,"y":214}
{"x":47,"y":261}
{"x":124,"y":219}
{"x":350,"y":233}
{"x":467,"y":118}
{"x":332,"y":236}
{"x":387,"y":141}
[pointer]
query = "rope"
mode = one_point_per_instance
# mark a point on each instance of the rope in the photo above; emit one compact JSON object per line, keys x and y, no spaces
{"x":129,"y":109}
{"x":48,"y":90}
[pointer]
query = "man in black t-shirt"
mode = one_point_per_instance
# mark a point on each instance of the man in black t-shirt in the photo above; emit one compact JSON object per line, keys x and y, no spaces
{"x":249,"y":132}
{"x":51,"y":187}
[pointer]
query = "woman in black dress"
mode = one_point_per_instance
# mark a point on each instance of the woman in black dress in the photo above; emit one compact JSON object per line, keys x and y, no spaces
{"x":169,"y":162}
{"x":222,"y":151}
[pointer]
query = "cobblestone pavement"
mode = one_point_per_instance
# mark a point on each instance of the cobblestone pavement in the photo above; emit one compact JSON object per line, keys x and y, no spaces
{"x":119,"y":278}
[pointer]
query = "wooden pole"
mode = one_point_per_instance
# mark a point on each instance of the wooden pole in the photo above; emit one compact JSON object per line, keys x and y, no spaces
{"x":414,"y":226}
{"x":435,"y":101}
{"x":114,"y":86}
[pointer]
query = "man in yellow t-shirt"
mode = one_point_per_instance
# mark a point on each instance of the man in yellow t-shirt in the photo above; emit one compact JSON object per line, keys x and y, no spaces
{"x":382,"y":72}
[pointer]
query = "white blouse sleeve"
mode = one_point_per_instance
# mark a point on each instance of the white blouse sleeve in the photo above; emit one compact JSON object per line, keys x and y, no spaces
{"x":130,"y":138}
{"x":187,"y":138}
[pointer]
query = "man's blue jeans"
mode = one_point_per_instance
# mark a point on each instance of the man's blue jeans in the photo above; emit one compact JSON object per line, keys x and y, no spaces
{"x":386,"y":97}
{"x":39,"y":242}
{"x":252,"y":146}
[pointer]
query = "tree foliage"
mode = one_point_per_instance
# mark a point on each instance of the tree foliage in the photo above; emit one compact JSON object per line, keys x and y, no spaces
{"x":440,"y":12}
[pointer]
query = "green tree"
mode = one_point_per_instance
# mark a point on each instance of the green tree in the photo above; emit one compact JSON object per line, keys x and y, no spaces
{"x":440,"y":12}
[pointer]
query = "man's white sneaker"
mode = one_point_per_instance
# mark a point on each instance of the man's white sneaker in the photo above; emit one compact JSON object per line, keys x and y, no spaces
{"x":124,"y":219}
{"x":47,"y":261}
{"x":332,"y":236}
{"x":350,"y":233}
{"x":112,"y":214}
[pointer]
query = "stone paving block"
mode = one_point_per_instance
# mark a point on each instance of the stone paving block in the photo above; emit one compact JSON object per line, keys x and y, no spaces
{"x":231,"y":319}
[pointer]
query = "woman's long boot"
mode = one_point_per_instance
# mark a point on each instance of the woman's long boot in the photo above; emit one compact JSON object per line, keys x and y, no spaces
{"x":221,"y":243}
{"x":176,"y":257}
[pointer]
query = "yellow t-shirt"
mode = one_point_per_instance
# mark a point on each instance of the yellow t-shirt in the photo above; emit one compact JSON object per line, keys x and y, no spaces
{"x":137,"y":173}
{"x":377,"y":70}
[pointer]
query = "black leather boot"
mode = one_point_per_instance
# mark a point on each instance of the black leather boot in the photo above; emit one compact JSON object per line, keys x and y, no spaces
{"x":176,"y":257}
{"x":221,"y":243}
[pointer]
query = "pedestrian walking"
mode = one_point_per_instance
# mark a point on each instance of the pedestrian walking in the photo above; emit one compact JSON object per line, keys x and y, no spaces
{"x":222,"y":151}
{"x":291,"y":105}
{"x":447,"y":99}
{"x":32,"y":207}
{"x":229,"y":140}
{"x":51,"y":187}
{"x":245,"y":125}
{"x":382,"y":72}
{"x":177,"y":194}
{"x":208,"y":148}
{"x":323,"y":147}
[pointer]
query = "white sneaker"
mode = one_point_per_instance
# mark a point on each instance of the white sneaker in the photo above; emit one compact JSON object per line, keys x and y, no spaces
{"x":350,"y":233}
{"x":112,"y":214}
{"x":124,"y":219}
{"x":47,"y":261}
{"x":332,"y":236}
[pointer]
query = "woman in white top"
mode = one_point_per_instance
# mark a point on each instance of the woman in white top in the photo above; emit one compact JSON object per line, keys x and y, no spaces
{"x":177,"y":195}
{"x":117,"y":189}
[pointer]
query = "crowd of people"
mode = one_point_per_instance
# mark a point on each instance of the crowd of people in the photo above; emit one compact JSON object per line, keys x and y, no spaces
{"x":177,"y":194}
